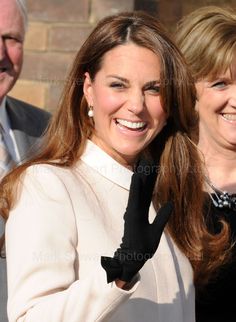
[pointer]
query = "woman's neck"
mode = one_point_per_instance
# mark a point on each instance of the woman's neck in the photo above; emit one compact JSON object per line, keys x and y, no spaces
{"x":220,"y":167}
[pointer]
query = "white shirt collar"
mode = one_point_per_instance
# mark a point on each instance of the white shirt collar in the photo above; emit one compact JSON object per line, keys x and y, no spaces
{"x":103,"y":163}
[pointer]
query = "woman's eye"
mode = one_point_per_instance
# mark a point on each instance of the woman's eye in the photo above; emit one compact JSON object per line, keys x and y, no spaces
{"x":117,"y":85}
{"x":219,"y":84}
{"x":153,"y":89}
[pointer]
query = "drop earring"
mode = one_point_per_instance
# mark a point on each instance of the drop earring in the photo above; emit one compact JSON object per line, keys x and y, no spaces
{"x":90,"y":111}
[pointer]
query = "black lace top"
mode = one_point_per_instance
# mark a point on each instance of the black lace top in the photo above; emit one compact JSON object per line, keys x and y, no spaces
{"x":217,"y":302}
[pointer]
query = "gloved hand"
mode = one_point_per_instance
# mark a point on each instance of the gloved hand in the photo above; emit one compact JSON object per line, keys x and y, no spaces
{"x":140,"y":239}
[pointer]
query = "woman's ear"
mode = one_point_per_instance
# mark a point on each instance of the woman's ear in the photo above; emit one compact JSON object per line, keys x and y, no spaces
{"x":87,"y":88}
{"x":196,"y":105}
{"x":199,"y":90}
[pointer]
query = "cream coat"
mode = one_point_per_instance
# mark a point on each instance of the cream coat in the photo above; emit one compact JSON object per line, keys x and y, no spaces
{"x":63,"y":222}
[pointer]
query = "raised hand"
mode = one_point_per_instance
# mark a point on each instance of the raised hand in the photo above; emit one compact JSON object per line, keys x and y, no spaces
{"x":141,"y":238}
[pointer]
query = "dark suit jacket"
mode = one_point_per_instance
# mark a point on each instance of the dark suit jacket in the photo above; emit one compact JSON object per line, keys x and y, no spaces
{"x":28,"y":124}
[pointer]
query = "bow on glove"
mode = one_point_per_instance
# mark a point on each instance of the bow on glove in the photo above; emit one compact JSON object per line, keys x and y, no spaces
{"x":141,"y":238}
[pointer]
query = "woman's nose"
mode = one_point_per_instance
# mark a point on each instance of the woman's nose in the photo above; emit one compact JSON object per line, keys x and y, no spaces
{"x":232,"y":96}
{"x":136,"y":102}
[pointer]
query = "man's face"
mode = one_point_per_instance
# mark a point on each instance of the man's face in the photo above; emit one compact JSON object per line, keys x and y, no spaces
{"x":11,"y":45}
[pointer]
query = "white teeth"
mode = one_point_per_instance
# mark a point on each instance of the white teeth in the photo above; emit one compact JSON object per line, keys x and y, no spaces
{"x":131,"y":125}
{"x":230,"y":117}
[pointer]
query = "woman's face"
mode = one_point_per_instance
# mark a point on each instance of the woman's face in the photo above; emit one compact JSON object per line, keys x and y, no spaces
{"x":216,"y":106}
{"x":126,"y":101}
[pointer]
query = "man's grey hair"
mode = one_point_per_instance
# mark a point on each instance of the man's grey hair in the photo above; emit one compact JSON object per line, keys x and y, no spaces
{"x":23,"y":9}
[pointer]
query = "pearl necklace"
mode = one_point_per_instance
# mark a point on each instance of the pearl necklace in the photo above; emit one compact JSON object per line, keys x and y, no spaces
{"x":220,"y":198}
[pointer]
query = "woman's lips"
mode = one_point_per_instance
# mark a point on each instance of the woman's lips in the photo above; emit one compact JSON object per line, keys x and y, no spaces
{"x":131,"y":125}
{"x":229,"y":116}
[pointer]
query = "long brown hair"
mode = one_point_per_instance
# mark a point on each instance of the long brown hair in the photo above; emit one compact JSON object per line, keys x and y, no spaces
{"x":207,"y":38}
{"x":70,"y":126}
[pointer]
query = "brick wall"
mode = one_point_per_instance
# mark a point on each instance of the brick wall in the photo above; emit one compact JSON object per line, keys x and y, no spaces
{"x":57,"y":28}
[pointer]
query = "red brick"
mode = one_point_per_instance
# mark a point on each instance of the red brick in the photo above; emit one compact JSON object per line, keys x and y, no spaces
{"x":46,"y":67}
{"x":169,"y":12}
{"x":53,"y":96}
{"x":102,"y":8}
{"x":149,"y":6}
{"x":36,"y":37}
{"x":31,"y":92}
{"x":58,"y":10}
{"x":67,"y":38}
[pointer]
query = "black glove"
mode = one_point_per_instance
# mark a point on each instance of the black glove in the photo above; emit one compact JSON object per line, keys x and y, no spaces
{"x":140,"y":239}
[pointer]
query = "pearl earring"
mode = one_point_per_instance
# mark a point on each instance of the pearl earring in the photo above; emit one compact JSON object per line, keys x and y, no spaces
{"x":90,"y":111}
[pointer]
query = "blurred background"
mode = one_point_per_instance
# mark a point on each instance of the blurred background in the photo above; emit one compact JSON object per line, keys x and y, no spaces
{"x":57,"y":28}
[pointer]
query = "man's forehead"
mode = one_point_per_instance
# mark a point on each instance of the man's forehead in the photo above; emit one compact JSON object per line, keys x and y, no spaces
{"x":11,"y":19}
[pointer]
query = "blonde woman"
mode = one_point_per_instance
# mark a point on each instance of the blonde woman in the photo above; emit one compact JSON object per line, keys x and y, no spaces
{"x":207,"y":38}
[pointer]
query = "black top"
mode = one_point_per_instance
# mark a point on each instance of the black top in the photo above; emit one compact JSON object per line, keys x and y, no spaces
{"x":217,"y":302}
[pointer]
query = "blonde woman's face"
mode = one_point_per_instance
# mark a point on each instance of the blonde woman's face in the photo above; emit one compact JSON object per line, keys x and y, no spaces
{"x":216,"y":106}
{"x":126,"y":102}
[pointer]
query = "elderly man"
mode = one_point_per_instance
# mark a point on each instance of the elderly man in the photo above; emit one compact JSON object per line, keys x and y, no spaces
{"x":21,"y":124}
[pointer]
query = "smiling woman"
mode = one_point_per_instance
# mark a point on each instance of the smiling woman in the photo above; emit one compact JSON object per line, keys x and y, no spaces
{"x":126,"y":102}
{"x":216,"y":106}
{"x":124,"y":120}
{"x":207,"y":38}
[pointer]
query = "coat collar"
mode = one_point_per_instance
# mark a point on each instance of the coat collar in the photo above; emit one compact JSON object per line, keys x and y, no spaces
{"x":100,"y":161}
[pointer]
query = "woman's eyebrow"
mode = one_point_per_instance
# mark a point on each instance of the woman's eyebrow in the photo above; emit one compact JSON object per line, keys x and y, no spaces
{"x":123,"y":79}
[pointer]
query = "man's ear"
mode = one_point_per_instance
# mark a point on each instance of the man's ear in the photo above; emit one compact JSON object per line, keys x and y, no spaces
{"x":87,"y":88}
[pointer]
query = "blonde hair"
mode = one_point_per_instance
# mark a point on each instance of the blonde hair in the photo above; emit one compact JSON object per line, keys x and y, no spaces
{"x":207,"y":38}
